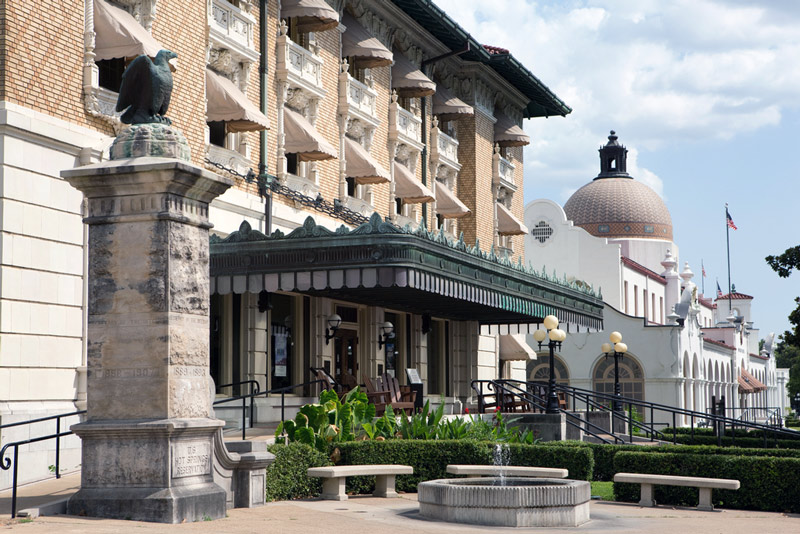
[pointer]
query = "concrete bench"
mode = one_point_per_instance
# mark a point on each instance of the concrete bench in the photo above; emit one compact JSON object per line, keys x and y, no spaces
{"x":334,"y":478}
{"x":509,"y":471}
{"x":705,"y":485}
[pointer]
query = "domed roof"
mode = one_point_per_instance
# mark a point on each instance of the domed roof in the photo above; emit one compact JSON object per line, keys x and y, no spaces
{"x":614,"y":205}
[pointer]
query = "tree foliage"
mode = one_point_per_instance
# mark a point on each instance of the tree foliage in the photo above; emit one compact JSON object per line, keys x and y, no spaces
{"x":787,"y":352}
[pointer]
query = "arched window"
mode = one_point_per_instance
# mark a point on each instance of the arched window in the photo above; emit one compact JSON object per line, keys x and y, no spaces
{"x":631,"y":377}
{"x":540,"y":372}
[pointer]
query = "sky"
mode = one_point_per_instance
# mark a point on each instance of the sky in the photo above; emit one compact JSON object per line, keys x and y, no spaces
{"x":706,"y":97}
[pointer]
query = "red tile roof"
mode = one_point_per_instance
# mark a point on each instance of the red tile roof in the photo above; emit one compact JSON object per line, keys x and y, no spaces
{"x":495,"y":49}
{"x":708,"y":303}
{"x":644,"y":270}
{"x":735,"y":296}
{"x":718,"y":343}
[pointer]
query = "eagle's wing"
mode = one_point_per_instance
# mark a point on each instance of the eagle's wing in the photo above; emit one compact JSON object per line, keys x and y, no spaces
{"x":136,"y":89}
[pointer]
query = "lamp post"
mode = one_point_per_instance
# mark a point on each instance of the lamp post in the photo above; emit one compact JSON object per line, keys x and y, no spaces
{"x":556,"y":336}
{"x":617,"y":349}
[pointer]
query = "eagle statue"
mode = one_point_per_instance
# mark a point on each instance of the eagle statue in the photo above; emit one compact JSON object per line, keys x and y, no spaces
{"x":146,"y":89}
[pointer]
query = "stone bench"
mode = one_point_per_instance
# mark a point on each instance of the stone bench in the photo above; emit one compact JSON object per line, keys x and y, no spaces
{"x":333,"y":485}
{"x":705,"y":485}
{"x":509,"y":471}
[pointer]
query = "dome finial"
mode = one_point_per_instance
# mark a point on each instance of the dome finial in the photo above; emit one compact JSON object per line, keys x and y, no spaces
{"x":613,"y":159}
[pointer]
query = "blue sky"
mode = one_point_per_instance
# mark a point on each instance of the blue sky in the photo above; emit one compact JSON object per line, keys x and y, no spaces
{"x":705,"y":95}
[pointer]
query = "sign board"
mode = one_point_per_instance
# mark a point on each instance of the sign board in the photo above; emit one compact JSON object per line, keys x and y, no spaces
{"x":413,"y":376}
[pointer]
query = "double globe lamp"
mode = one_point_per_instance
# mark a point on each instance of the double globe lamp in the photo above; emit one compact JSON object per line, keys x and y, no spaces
{"x":617,"y":349}
{"x":556,"y":336}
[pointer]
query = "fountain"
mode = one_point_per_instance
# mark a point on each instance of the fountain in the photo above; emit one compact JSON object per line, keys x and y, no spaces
{"x":506,"y":501}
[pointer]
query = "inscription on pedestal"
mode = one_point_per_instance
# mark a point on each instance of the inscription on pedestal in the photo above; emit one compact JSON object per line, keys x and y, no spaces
{"x":191,"y":459}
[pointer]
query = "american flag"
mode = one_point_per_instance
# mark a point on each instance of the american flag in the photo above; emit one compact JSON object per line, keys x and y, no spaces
{"x":729,"y":220}
{"x":703,"y":268}
{"x":719,"y":291}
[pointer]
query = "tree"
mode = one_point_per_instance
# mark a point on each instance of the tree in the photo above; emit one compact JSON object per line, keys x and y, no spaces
{"x":787,"y":352}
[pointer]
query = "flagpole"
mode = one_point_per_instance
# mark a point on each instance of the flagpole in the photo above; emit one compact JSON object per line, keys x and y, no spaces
{"x":703,"y":278}
{"x":728,"y":238}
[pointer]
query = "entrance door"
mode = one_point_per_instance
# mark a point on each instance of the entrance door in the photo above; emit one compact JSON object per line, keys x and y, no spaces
{"x":346,"y":358}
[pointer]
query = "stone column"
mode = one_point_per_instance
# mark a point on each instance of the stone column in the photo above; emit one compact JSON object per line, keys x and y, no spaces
{"x":148,"y":436}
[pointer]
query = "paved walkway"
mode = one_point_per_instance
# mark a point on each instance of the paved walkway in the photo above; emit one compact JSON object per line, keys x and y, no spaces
{"x":382,"y":516}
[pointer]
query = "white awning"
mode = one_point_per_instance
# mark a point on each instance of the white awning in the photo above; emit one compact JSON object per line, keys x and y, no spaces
{"x":312,"y":15}
{"x":448,"y":205}
{"x":408,"y":80}
{"x":361,"y":166}
{"x":513,"y":347}
{"x":302,"y":139}
{"x":507,"y":224}
{"x":119,"y":35}
{"x":507,"y":133}
{"x":363,"y":49}
{"x":449,"y":108}
{"x":407,"y":187}
{"x":227,"y":103}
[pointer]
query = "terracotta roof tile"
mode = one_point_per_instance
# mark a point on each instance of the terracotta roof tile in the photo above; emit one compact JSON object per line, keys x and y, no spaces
{"x":718,"y":343}
{"x":735,"y":296}
{"x":495,"y":49}
{"x":644,"y":270}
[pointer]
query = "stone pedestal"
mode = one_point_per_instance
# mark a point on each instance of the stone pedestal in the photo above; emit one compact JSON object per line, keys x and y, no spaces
{"x":148,"y":442}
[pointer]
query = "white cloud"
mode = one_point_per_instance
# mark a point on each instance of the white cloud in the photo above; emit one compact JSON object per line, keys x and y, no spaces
{"x":658,"y":72}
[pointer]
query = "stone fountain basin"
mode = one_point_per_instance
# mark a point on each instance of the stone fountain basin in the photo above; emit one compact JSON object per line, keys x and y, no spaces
{"x":519,"y":502}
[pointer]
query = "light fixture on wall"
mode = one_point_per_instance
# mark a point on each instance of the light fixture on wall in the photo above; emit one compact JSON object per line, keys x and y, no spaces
{"x":387,"y":333}
{"x":617,"y":349}
{"x":334,"y":321}
{"x":556,"y":336}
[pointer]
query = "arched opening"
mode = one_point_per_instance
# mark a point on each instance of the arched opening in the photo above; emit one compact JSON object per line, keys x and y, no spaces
{"x":631,"y":377}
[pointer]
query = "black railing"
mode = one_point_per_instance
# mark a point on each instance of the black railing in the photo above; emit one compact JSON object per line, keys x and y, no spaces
{"x":6,"y":463}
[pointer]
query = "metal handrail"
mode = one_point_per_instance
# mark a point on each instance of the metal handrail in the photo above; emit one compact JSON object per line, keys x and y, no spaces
{"x":5,"y":462}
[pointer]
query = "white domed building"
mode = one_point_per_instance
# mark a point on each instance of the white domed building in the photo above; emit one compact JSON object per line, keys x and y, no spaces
{"x":615,"y":234}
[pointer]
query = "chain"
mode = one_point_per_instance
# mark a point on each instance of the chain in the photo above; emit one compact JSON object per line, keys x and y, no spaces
{"x":267,"y":182}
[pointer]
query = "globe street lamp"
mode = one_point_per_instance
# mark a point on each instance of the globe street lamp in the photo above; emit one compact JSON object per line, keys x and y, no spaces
{"x":617,"y":349}
{"x":556,"y":336}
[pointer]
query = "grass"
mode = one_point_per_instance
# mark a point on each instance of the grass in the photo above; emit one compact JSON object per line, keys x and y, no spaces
{"x":605,"y":490}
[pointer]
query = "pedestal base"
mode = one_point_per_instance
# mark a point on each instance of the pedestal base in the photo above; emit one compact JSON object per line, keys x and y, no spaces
{"x":149,"y":471}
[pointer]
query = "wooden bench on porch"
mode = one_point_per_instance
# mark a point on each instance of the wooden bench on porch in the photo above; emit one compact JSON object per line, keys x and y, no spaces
{"x":705,"y":485}
{"x":386,"y":391}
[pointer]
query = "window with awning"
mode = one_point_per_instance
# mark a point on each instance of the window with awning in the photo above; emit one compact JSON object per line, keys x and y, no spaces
{"x":748,"y":383}
{"x":507,"y":224}
{"x":311,"y":15}
{"x":363,"y":50}
{"x":226,"y":103}
{"x":408,"y":80}
{"x":513,"y":347}
{"x":447,"y":204}
{"x":304,"y":140}
{"x":507,"y":133}
{"x":119,"y":35}
{"x":361,"y":166}
{"x":449,"y":108}
{"x":408,"y":188}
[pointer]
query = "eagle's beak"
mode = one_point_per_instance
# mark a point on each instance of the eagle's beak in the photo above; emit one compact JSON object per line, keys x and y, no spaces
{"x":173,"y":64}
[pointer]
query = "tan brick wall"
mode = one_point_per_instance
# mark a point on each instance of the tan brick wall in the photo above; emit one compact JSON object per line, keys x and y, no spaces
{"x":380,"y":142}
{"x":518,"y":202}
{"x":475,"y":179}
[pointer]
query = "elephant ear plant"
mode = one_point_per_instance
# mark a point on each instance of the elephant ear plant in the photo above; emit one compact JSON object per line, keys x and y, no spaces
{"x":330,"y":420}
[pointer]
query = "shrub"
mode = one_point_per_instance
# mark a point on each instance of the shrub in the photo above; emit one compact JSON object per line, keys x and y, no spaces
{"x":286,"y":476}
{"x":430,"y":459}
{"x":744,"y":442}
{"x":767,"y":483}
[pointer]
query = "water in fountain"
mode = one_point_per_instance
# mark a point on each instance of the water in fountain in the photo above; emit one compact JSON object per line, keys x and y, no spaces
{"x":501,"y":457}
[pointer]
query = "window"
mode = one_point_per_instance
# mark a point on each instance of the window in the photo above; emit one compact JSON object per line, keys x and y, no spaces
{"x":648,"y":229}
{"x":625,"y":302}
{"x":653,"y":307}
{"x":110,"y":73}
{"x":291,"y":163}
{"x":542,"y":231}
{"x":216,"y":131}
{"x":661,"y":308}
{"x":351,"y":187}
{"x":541,"y":371}
{"x":644,"y":302}
{"x":631,"y":377}
{"x":603,"y":228}
{"x":635,"y":300}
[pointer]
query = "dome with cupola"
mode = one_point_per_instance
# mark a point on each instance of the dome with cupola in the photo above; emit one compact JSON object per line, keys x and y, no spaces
{"x":614,"y":205}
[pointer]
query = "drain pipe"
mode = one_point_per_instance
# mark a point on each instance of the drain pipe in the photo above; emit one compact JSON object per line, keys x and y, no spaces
{"x":424,"y":110}
{"x":264,"y":180}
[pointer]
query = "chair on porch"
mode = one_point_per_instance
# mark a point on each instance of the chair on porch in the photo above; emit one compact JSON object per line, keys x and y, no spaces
{"x":377,"y":396}
{"x":328,"y":382}
{"x":399,"y":399}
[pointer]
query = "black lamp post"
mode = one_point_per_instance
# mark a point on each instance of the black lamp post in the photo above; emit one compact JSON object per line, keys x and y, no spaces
{"x":617,"y":349}
{"x":555,"y":336}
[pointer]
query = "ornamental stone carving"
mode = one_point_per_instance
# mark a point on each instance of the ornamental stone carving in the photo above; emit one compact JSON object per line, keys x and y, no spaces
{"x":222,"y":61}
{"x":144,"y":11}
{"x":375,"y":25}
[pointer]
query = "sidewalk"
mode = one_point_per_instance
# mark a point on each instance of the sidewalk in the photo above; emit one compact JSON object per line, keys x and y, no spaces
{"x":383,"y":516}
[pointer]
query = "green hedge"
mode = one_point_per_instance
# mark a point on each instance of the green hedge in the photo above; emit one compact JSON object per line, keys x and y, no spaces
{"x":767,"y":483}
{"x":286,"y":476}
{"x":430,"y":459}
{"x":743,"y":442}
